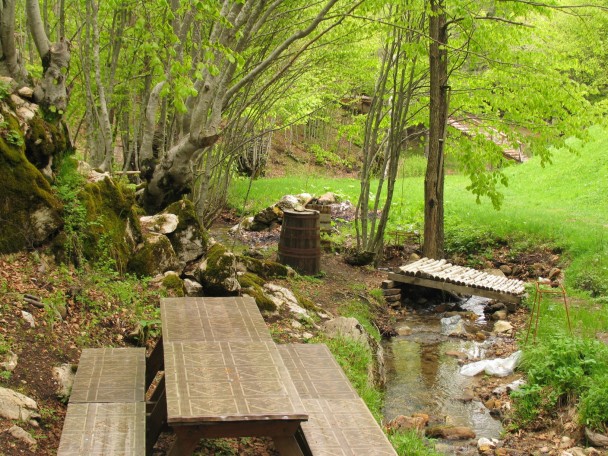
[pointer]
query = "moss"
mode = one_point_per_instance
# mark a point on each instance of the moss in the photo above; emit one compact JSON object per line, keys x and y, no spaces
{"x":174,"y":285}
{"x":252,"y":286}
{"x":306,"y":303}
{"x":219,"y":263}
{"x":24,"y":192}
{"x":112,"y":224}
{"x":154,"y":256}
{"x":265,"y":268}
{"x":44,"y":140}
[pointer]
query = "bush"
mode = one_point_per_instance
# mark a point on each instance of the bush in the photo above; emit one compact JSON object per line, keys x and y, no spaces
{"x":593,"y":407}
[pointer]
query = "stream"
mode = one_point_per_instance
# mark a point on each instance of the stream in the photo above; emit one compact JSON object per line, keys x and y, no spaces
{"x":421,"y":378}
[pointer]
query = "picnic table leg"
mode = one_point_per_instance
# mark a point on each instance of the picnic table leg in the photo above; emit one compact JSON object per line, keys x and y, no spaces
{"x":187,"y":440}
{"x":287,"y":446}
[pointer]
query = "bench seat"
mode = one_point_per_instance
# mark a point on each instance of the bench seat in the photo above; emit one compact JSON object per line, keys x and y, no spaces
{"x":107,"y":410}
{"x":339,"y":422}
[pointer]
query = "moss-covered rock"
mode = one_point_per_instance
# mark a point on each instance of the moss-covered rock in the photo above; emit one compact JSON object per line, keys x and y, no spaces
{"x":218,"y":272}
{"x":266,"y":268}
{"x":153,"y":256}
{"x":252,"y":285}
{"x":29,"y":212}
{"x":112,"y":226}
{"x":189,"y":239}
{"x":44,"y":141}
{"x":174,"y":285}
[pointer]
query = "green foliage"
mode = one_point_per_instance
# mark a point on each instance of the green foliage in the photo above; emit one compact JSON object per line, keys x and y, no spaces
{"x":354,"y":358}
{"x":4,"y":90}
{"x":68,"y":184}
{"x":363,"y":311}
{"x":326,"y":157}
{"x":562,"y":370}
{"x":411,"y":444}
{"x":14,"y":137}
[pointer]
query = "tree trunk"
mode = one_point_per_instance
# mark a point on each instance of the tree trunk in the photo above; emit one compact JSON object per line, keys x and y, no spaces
{"x":433,"y":183}
{"x":10,"y":64}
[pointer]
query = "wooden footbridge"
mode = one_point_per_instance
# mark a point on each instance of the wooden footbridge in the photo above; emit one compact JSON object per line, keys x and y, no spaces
{"x":442,"y":275}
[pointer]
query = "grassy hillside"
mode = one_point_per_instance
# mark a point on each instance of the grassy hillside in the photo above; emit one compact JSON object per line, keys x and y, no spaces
{"x":563,"y":203}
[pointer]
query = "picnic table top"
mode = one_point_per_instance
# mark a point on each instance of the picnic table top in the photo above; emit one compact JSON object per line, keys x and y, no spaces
{"x":212,"y":319}
{"x":222,"y":365}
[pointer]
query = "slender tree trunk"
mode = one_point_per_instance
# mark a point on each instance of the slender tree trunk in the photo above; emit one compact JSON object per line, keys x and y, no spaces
{"x":433,"y":183}
{"x":10,"y":64}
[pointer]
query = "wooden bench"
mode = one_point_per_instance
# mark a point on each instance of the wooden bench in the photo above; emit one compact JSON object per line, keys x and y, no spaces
{"x":107,"y":409}
{"x":339,"y":422}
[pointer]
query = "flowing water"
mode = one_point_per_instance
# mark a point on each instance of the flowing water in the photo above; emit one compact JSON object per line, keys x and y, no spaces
{"x":422,"y":378}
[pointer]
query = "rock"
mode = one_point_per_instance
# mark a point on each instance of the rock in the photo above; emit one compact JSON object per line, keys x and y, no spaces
{"x":16,"y":406}
{"x":304,"y":198}
{"x":282,"y":297}
{"x":391,"y":291}
{"x":456,"y":354}
{"x":192,"y":287}
{"x":64,"y":377}
{"x":327,"y":198}
{"x":295,"y":324}
{"x":413,"y":257}
{"x":174,"y":285}
{"x":263,"y":219}
{"x":514,"y":386}
{"x":554,"y":273}
{"x":499,"y":315}
{"x":29,"y":318}
{"x":499,"y":367}
{"x":494,"y":307}
{"x":596,"y":439}
{"x":9,"y":362}
{"x":467,"y":395}
{"x":485,"y":445}
{"x":511,"y":307}
{"x":453,"y":326}
{"x":289,"y":202}
{"x":506,"y":269}
{"x":154,"y":256}
{"x":537,"y":269}
{"x":404,"y":331}
{"x":450,"y":432}
{"x":417,"y":422}
{"x":159,"y":223}
{"x":502,"y":326}
{"x":10,"y":83}
{"x":566,"y":442}
{"x":480,"y":336}
{"x":21,"y":434}
{"x":495,"y":272}
{"x":307,"y":336}
{"x":26,"y":92}
{"x":190,"y":240}
{"x":544,"y":449}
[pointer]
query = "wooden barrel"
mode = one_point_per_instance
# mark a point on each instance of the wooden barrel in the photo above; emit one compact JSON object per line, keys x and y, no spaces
{"x":300,"y":241}
{"x":324,"y":216}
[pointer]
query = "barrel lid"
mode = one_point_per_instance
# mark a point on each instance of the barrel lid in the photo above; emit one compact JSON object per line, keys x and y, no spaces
{"x":305,"y":212}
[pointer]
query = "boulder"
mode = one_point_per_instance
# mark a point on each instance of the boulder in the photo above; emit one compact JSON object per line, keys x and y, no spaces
{"x":159,"y":223}
{"x":192,"y":287}
{"x":284,"y":298}
{"x":502,"y":326}
{"x":265,"y":218}
{"x":596,"y":439}
{"x":64,"y":377}
{"x":506,"y":269}
{"x":31,"y":213}
{"x":453,"y":326}
{"x":173,"y":284}
{"x":327,"y":198}
{"x":416,"y":422}
{"x":21,"y":434}
{"x":253,"y":285}
{"x":265,"y":268}
{"x":450,"y":432}
{"x":189,"y":239}
{"x":8,"y":361}
{"x":155,"y":255}
{"x":16,"y":406}
{"x":217,"y":272}
{"x":290,"y":202}
{"x":495,"y":272}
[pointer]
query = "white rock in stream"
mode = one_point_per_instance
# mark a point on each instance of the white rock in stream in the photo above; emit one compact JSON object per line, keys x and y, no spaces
{"x":452,"y":326}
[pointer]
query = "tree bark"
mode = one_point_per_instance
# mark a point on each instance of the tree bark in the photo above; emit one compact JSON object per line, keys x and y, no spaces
{"x":10,"y":64}
{"x":434,"y":179}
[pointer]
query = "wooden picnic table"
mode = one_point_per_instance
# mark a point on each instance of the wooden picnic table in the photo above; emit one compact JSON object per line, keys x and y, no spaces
{"x":224,"y":375}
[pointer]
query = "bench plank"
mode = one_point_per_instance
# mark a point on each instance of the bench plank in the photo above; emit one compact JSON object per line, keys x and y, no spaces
{"x":102,"y":429}
{"x":110,"y":375}
{"x":339,"y":422}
